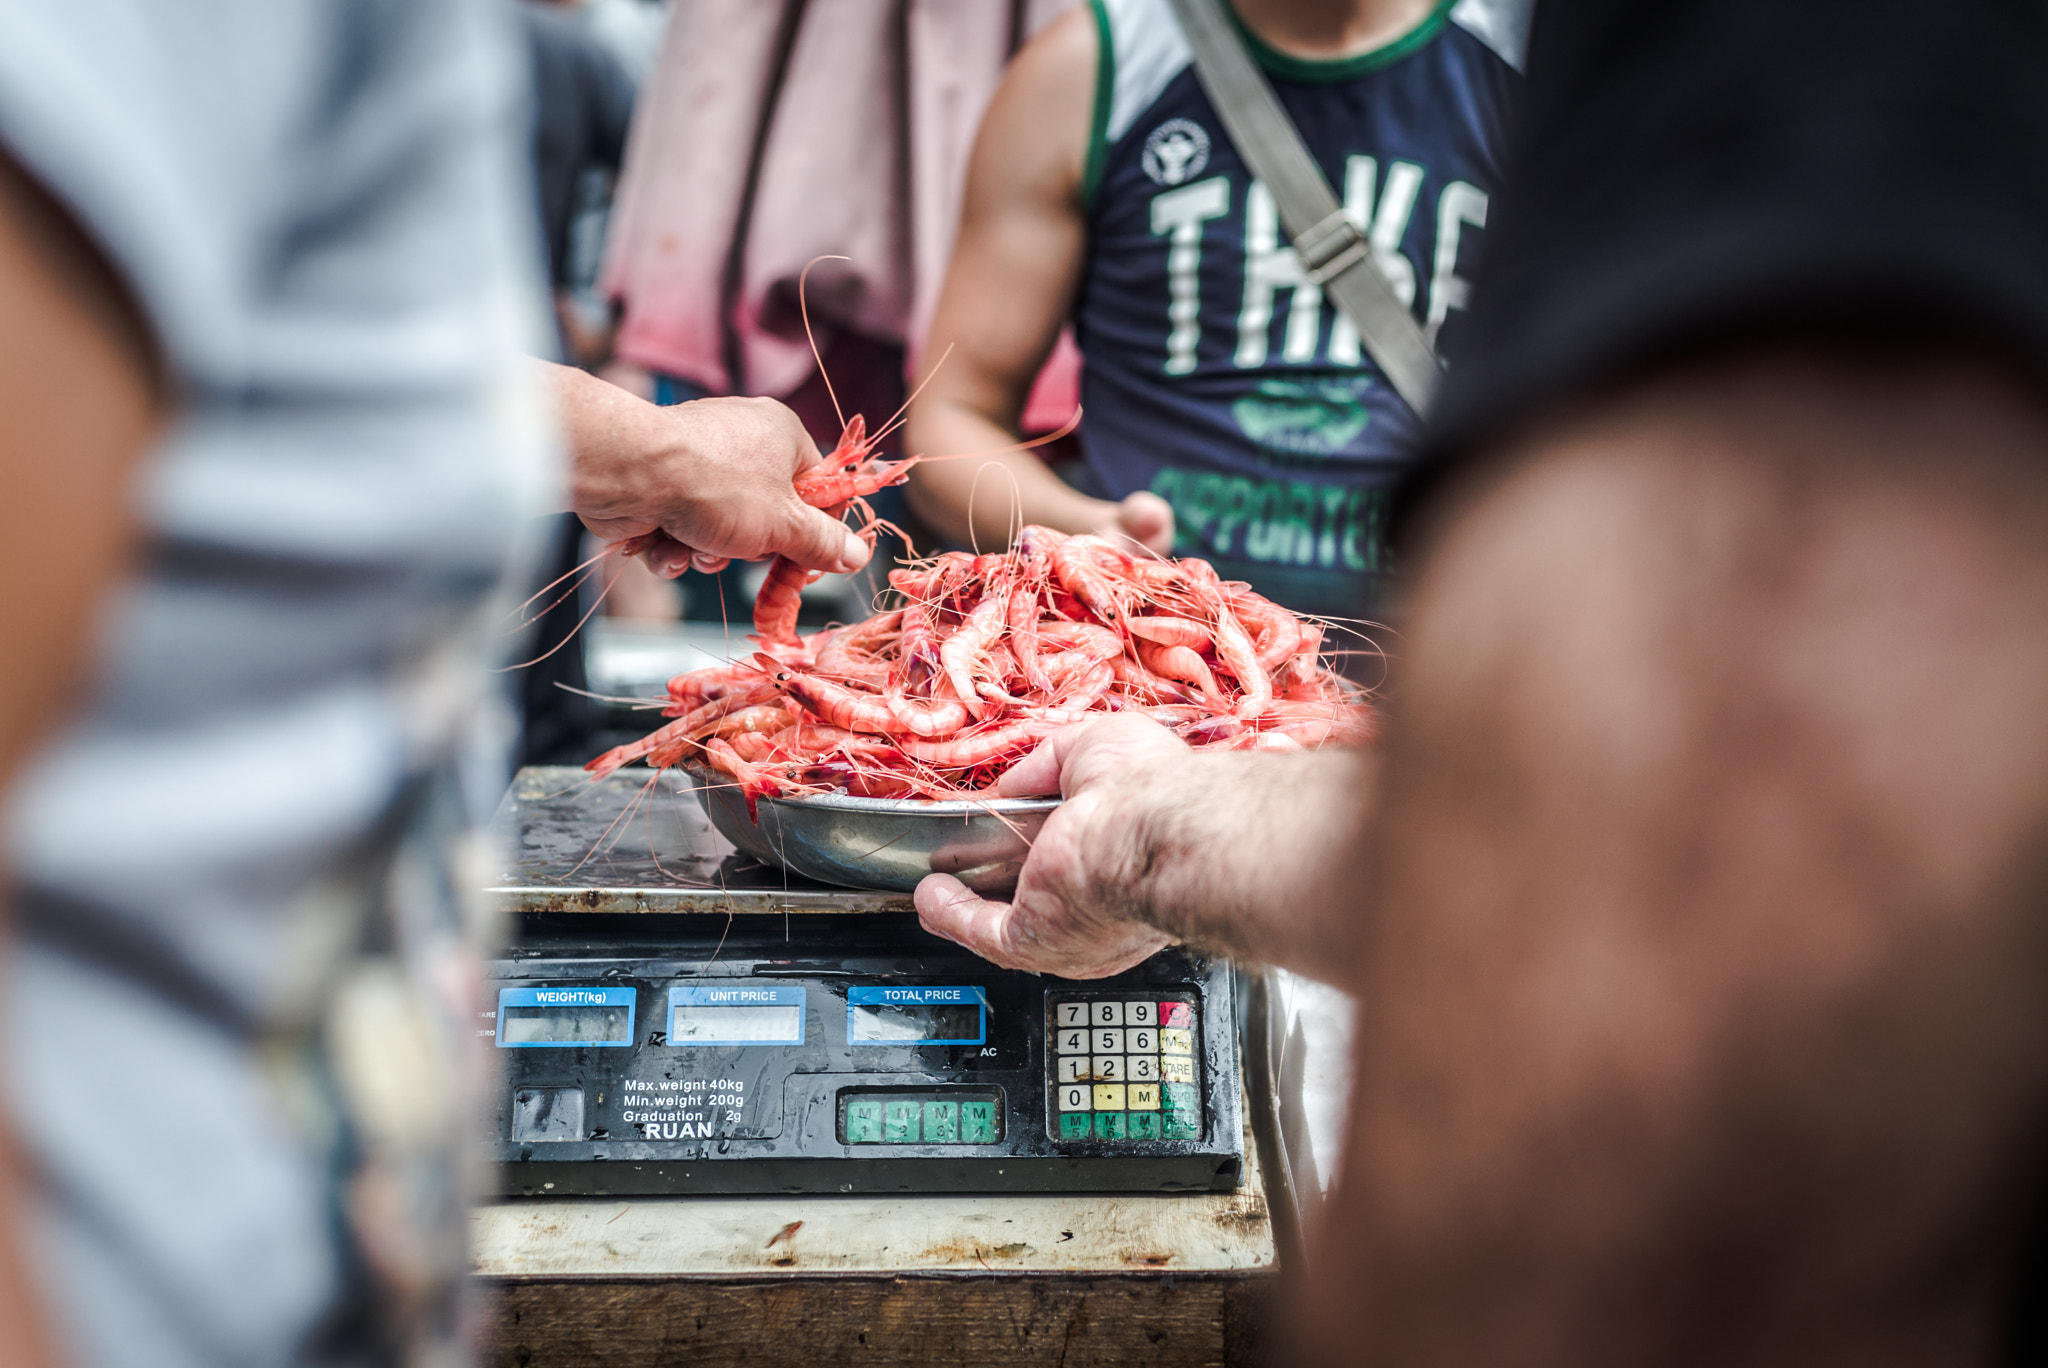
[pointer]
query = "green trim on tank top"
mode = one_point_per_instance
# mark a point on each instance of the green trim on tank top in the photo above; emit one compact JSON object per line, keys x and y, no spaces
{"x":1098,"y":120}
{"x":1329,"y":70}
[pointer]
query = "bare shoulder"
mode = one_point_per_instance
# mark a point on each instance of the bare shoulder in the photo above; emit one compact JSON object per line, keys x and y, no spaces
{"x":1066,"y":46}
{"x":1036,"y":129}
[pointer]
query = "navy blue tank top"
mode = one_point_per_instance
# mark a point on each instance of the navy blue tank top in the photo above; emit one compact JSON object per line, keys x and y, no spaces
{"x":1217,"y":375}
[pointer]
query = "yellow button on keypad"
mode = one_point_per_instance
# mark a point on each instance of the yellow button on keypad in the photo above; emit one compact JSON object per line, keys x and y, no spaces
{"x":1177,"y":1069}
{"x":1176,"y":1042}
{"x":1109,"y":1097}
{"x":1143,"y":1096}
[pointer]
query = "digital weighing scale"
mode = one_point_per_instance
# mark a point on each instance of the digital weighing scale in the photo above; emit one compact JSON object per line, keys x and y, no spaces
{"x":663,"y":1030}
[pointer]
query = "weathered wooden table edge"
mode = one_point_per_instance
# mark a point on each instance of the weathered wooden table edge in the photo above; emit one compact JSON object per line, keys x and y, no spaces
{"x":1006,"y":1279}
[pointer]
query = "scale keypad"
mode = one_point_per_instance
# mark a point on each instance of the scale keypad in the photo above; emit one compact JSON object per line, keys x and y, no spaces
{"x":1123,"y":1067}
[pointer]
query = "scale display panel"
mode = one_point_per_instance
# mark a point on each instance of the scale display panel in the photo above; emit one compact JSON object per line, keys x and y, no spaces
{"x":896,"y":1064}
{"x":565,"y":1016}
{"x":740,"y":1014}
{"x":922,"y":1016}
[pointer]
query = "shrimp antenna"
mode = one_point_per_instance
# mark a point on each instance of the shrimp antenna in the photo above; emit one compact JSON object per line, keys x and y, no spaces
{"x":804,"y":307}
{"x":624,"y":701}
{"x":1016,"y":506}
{"x":625,"y":812}
{"x":1053,"y":436}
{"x":589,"y":613}
{"x":897,"y":419}
{"x":579,"y":573}
{"x":582,"y":573}
{"x":1014,"y":524}
{"x":974,"y":488}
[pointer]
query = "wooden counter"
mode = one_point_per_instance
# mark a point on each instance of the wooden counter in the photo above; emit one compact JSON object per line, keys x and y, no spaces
{"x":999,"y":1280}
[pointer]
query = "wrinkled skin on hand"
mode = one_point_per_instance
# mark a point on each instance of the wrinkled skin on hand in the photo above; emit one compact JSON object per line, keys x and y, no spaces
{"x":713,"y":478}
{"x":1081,"y":893}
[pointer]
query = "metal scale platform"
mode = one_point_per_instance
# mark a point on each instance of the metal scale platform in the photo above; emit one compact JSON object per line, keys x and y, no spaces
{"x":659,"y":1034}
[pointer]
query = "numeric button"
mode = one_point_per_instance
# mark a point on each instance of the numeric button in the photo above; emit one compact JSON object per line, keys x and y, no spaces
{"x":1106,"y":1013}
{"x":1073,"y":1014}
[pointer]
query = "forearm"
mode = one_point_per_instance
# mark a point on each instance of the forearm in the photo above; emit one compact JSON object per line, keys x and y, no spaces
{"x":605,"y":429}
{"x":980,"y":500}
{"x":1703,"y":1013}
{"x":81,"y":390}
{"x":1248,"y":855}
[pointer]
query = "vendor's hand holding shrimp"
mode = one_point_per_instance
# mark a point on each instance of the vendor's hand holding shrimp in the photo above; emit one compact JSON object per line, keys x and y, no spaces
{"x":706,"y":482}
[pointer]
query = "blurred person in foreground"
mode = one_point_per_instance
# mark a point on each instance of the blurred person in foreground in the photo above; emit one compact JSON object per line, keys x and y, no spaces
{"x":267,"y":444}
{"x":582,"y":111}
{"x":1231,"y":410}
{"x":582,"y":106}
{"x":1697,"y":900}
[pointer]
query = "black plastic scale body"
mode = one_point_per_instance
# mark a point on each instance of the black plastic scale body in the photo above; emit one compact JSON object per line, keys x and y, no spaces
{"x":694,"y":1053}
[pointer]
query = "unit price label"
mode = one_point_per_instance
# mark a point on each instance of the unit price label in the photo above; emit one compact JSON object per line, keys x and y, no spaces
{"x":695,"y":1109}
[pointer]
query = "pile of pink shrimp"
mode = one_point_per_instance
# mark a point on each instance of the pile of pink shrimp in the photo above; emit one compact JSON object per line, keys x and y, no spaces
{"x":984,"y":658}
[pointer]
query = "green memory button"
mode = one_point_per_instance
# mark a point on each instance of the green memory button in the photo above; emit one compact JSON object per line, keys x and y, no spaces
{"x":1144,"y":1125}
{"x":978,"y":1123}
{"x":1183,"y":1115}
{"x":1109,"y":1125}
{"x":864,"y":1121}
{"x":1074,"y":1125}
{"x":942,"y":1123}
{"x":901,"y":1122}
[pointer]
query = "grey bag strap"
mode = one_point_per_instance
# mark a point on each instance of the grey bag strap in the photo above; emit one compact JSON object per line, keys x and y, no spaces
{"x":1333,"y":250}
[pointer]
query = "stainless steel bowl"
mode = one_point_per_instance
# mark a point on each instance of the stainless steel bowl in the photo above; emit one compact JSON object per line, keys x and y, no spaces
{"x":881,"y":842}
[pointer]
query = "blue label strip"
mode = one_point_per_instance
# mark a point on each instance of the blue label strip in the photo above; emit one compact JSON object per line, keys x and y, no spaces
{"x":567,"y":997}
{"x":740,"y":994}
{"x":915,"y":997}
{"x":918,"y":997}
{"x":737,"y":995}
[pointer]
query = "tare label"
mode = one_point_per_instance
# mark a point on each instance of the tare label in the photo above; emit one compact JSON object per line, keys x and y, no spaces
{"x":696,"y":1109}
